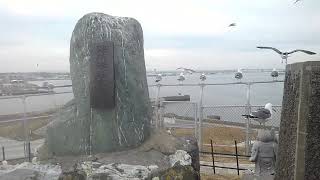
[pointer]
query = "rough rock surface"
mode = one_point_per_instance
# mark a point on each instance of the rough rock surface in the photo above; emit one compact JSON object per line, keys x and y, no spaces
{"x":150,"y":160}
{"x":87,"y":130}
{"x":299,"y":138}
{"x":30,"y":171}
{"x":255,"y":177}
{"x":177,"y":172}
{"x":180,"y":158}
{"x":98,"y":171}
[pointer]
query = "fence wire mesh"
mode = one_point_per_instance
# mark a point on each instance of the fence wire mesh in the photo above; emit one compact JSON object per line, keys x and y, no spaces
{"x":223,"y":124}
{"x":181,"y":117}
{"x":232,"y":115}
{"x":28,"y":123}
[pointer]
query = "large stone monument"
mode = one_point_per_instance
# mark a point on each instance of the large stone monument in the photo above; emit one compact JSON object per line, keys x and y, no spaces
{"x":111,"y":102}
{"x":299,"y":141}
{"x":105,"y":133}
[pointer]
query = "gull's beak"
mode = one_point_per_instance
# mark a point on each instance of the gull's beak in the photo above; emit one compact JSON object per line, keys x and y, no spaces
{"x":274,"y":110}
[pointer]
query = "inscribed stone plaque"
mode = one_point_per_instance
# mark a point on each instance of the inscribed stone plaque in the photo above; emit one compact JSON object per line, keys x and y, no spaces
{"x":102,"y":86}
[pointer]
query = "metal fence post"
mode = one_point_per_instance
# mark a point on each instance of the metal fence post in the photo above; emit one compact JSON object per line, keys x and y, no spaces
{"x":3,"y":154}
{"x":248,"y":111}
{"x":161,"y":114}
{"x":212,"y":155}
{"x":200,"y":117}
{"x":25,"y":126}
{"x":196,"y":126}
{"x":29,"y":151}
{"x":157,"y":123}
{"x":235,"y":144}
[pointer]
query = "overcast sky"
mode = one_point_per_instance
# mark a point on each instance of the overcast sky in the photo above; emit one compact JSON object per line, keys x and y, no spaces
{"x":190,"y":33}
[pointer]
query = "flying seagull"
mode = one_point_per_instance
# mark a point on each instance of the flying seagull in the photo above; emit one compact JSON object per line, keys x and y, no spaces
{"x":232,"y":24}
{"x":285,"y":55}
{"x":262,"y":115}
{"x":296,"y":1}
{"x":186,"y":70}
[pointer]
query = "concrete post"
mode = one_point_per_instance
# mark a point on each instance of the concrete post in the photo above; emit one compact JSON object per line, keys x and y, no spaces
{"x":299,"y":141}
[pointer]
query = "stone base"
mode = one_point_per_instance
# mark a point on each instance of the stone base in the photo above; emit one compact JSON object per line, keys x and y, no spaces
{"x":177,"y":172}
{"x":152,"y":159}
{"x":254,"y":177}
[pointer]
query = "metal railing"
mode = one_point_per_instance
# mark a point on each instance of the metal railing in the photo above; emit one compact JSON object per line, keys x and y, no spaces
{"x":233,"y":114}
{"x":18,"y":144}
{"x":213,"y":153}
{"x":194,"y":111}
{"x":202,"y":109}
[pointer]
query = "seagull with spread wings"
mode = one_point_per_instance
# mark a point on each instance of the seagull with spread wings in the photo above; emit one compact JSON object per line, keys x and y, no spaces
{"x":296,"y":1}
{"x":285,"y":55}
{"x":232,"y":24}
{"x":186,"y":70}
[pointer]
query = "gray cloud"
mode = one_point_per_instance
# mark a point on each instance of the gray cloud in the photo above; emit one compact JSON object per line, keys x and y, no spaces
{"x":187,"y":32}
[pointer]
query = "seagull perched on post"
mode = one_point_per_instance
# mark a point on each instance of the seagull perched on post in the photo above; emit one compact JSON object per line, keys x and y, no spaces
{"x":238,"y":75}
{"x":158,"y":78}
{"x":262,"y":115}
{"x":203,"y":77}
{"x":274,"y":73}
{"x":181,"y":77}
{"x":285,"y":55}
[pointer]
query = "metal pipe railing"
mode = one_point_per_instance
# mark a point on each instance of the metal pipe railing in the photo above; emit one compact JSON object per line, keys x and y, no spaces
{"x":200,"y":107}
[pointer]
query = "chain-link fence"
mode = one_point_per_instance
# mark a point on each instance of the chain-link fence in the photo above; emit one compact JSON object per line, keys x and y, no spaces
{"x":185,"y":111}
{"x":232,"y":115}
{"x":180,"y":117}
{"x":220,"y":123}
{"x":23,"y":120}
{"x":223,"y":124}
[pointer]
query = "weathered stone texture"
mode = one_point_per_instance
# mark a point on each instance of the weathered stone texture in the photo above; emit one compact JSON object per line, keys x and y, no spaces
{"x":299,"y":142}
{"x":89,"y":130}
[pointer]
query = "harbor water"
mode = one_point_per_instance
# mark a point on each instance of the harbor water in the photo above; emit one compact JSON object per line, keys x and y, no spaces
{"x":213,"y":95}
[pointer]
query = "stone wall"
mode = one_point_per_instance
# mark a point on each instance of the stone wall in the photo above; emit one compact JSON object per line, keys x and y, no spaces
{"x":299,"y":141}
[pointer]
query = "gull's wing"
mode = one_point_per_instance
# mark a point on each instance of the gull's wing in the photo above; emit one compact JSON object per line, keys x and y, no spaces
{"x":261,"y":113}
{"x":276,"y":50}
{"x":297,"y":1}
{"x":301,"y":50}
{"x":186,"y":69}
{"x":190,"y":70}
